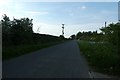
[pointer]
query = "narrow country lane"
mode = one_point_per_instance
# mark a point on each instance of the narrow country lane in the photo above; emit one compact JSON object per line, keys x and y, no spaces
{"x":60,"y":61}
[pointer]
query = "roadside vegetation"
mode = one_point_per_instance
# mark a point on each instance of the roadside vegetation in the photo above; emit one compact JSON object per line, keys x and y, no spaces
{"x":18,"y":38}
{"x":13,"y":51}
{"x":101,"y":57}
{"x":102,"y":49}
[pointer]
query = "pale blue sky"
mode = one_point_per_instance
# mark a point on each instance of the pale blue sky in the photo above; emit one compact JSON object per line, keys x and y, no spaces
{"x":77,"y":16}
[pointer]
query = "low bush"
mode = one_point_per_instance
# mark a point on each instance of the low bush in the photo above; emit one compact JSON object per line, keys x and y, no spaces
{"x":9,"y":52}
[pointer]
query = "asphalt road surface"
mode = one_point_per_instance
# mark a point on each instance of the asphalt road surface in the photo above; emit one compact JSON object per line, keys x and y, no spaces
{"x":60,"y":61}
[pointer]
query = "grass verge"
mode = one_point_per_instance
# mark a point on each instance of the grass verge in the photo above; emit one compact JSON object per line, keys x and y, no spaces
{"x":10,"y":52}
{"x":101,"y":57}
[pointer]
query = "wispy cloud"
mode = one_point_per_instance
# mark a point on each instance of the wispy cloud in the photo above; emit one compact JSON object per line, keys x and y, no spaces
{"x":37,"y":12}
{"x":83,"y":7}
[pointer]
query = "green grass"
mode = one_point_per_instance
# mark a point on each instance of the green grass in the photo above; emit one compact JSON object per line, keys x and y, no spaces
{"x":101,"y":57}
{"x":10,"y":52}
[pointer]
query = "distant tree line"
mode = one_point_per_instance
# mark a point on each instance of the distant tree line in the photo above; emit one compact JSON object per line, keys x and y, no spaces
{"x":19,"y":31}
{"x":110,"y":34}
{"x":91,"y":36}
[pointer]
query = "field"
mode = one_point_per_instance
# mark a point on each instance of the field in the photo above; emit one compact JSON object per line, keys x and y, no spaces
{"x":100,"y":56}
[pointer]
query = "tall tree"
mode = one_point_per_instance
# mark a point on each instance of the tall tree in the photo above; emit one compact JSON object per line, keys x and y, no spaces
{"x":112,"y":36}
{"x":6,"y":26}
{"x":21,"y":30}
{"x":79,"y":35}
{"x":18,"y":31}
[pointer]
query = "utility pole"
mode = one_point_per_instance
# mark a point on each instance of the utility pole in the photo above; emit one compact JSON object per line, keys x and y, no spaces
{"x":63,"y":29}
{"x":105,"y":24}
{"x":119,"y":11}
